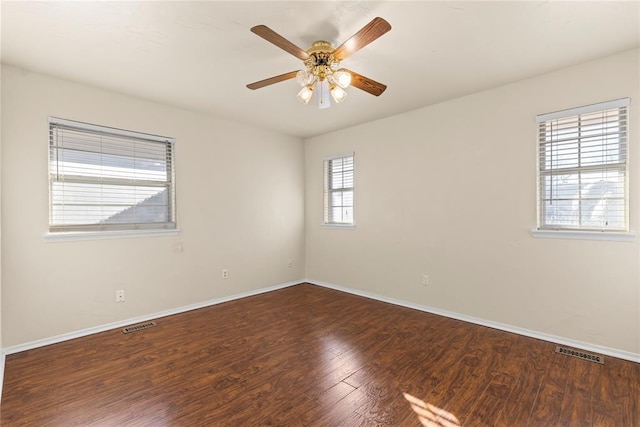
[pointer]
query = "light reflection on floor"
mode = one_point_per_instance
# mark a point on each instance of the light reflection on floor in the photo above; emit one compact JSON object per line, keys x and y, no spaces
{"x":431,"y":416}
{"x":334,"y":348}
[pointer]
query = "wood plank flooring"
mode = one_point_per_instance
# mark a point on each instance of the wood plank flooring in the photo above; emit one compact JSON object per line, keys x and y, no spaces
{"x":310,"y":356}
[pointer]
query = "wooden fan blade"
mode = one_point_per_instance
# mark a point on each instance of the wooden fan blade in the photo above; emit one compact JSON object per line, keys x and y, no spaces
{"x":366,"y":35}
{"x":272,"y":80}
{"x":366,"y":84}
{"x":272,"y":37}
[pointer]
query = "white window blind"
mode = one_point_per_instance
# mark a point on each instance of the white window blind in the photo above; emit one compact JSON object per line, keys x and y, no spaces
{"x":582,"y":168}
{"x":338,"y":190}
{"x":105,"y":179}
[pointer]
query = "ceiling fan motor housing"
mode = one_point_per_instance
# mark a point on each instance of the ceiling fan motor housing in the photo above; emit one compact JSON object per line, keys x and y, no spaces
{"x":321,"y":61}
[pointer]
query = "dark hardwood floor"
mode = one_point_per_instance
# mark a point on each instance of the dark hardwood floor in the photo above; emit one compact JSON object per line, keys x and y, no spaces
{"x":310,"y":356}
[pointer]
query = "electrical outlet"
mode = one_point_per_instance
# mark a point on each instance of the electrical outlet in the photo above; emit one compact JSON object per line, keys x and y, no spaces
{"x":425,"y":280}
{"x":120,"y":295}
{"x":290,"y":263}
{"x":225,"y":273}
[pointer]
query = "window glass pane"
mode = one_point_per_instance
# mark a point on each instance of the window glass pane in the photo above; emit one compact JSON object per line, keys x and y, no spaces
{"x":560,"y":213}
{"x":109,"y":166}
{"x":562,"y":186}
{"x":79,"y":203}
{"x":336,"y":198}
{"x":602,"y":184}
{"x":336,"y":214}
{"x":336,"y":165}
{"x":152,"y":210}
{"x":102,"y":178}
{"x":347,"y":215}
{"x":336,"y":180}
{"x":347,"y":198}
{"x":575,"y":198}
{"x":603,"y":213}
{"x":600,"y":150}
{"x":347,"y":163}
{"x":582,"y":161}
{"x":348,"y":179}
{"x":339,"y":190}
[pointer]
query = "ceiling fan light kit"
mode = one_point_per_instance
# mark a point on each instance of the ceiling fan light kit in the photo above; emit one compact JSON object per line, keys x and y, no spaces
{"x":322,"y":73}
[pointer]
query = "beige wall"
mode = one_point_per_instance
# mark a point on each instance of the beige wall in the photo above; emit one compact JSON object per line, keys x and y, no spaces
{"x":1,"y":346}
{"x":240,"y":206}
{"x":450,"y":190}
{"x":447,"y":190}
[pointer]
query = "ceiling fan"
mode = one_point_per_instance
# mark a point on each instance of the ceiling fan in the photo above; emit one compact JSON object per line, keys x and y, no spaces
{"x":322,"y":73}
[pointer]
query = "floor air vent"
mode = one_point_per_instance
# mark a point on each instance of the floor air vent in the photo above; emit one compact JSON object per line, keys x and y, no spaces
{"x":580,"y":354}
{"x":138,"y":327}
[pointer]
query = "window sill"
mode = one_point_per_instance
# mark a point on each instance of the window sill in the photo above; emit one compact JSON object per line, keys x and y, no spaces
{"x":343,"y":226}
{"x":101,"y":235}
{"x":584,"y":235}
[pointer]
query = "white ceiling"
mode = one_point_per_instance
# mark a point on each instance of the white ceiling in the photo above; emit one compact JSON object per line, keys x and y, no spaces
{"x":200,"y":55}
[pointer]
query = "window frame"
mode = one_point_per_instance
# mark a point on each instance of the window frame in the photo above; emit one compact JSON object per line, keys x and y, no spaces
{"x":61,"y":231}
{"x":328,"y":190}
{"x":581,"y":229}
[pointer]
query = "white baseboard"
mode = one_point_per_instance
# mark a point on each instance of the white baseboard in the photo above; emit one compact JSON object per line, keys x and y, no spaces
{"x":620,"y":354}
{"x":2,"y":356}
{"x":120,"y":324}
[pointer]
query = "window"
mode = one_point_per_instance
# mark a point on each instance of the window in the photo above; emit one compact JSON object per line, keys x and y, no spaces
{"x":582,"y":168}
{"x":338,"y":190}
{"x":105,"y":179}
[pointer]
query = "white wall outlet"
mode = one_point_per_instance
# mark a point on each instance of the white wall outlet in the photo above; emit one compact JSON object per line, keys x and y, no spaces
{"x":120,"y":295}
{"x":425,"y":280}
{"x":290,"y":263}
{"x":225,"y":273}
